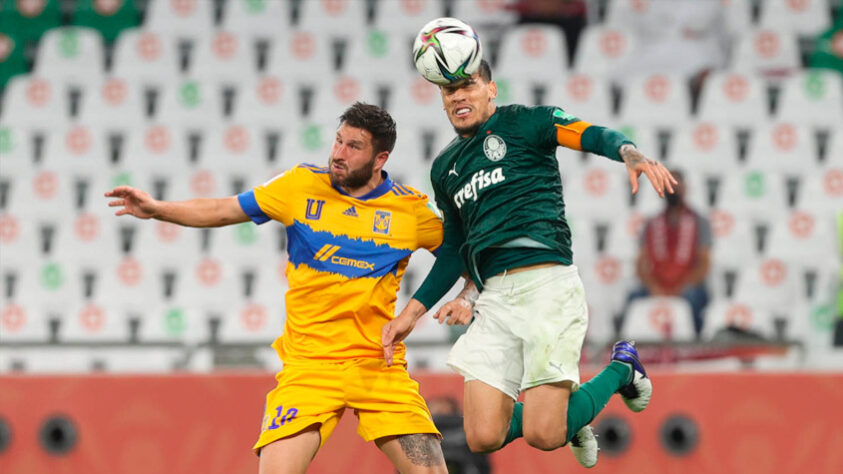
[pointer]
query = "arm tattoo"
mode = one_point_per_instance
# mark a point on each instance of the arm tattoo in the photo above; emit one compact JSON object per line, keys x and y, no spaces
{"x":422,"y":449}
{"x":630,"y":155}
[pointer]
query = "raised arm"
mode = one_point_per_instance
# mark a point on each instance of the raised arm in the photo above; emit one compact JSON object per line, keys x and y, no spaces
{"x":579,"y":135}
{"x":194,"y":213}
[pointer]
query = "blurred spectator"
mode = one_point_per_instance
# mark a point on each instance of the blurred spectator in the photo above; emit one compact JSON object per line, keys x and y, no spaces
{"x":568,"y":14}
{"x":829,"y":52}
{"x":448,"y":419}
{"x":686,"y":37}
{"x":673,"y":258}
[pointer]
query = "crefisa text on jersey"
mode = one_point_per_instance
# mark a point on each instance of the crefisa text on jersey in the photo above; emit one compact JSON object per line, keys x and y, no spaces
{"x":479,"y":180}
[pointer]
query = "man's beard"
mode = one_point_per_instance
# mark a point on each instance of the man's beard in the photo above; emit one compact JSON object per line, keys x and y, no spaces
{"x":355,"y":179}
{"x":466,"y":131}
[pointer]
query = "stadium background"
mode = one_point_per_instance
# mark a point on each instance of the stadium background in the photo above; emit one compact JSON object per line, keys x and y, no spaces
{"x":129,"y":345}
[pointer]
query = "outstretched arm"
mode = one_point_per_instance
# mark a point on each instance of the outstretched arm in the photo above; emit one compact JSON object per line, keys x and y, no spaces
{"x":194,"y":213}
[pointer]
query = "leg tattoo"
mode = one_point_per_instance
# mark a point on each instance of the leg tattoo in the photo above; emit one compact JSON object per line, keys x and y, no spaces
{"x":421,"y":449}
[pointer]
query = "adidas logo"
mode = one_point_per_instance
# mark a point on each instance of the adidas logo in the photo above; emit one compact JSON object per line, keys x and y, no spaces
{"x":351,"y":212}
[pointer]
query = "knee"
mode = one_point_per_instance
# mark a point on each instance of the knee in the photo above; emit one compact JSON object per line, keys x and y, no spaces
{"x":484,"y":440}
{"x":545,"y":438}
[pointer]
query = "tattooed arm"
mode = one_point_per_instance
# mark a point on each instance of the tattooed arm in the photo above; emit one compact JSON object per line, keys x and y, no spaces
{"x":637,"y":163}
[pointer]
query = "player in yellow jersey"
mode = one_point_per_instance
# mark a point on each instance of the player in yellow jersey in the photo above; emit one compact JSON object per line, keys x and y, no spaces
{"x":350,"y":231}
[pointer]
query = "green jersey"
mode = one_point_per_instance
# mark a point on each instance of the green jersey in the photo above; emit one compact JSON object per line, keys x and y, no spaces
{"x":500,"y":192}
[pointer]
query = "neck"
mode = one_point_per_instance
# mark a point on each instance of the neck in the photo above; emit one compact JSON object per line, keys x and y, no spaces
{"x":374,"y":182}
{"x":492,"y":108}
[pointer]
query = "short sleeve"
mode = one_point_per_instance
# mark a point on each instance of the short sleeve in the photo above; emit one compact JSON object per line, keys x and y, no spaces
{"x":270,"y":200}
{"x":429,"y":226}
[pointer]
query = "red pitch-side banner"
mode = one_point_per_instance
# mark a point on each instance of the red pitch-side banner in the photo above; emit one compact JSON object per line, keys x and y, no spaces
{"x":748,"y":423}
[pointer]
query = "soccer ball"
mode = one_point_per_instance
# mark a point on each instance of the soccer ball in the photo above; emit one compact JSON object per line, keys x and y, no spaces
{"x":447,"y":50}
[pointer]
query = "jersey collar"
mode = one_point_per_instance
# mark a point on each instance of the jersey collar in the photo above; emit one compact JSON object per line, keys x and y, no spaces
{"x":379,"y":191}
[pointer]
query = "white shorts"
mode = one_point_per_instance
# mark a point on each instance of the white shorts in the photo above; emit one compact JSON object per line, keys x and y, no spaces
{"x":528,"y":330}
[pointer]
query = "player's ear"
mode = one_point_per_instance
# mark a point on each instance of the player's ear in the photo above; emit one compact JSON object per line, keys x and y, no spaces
{"x":380,"y":159}
{"x":493,"y":90}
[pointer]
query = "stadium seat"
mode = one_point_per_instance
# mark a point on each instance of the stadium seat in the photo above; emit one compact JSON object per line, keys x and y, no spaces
{"x":770,"y":284}
{"x":44,"y":194}
{"x":302,"y":57}
{"x":257,"y":19}
{"x":27,"y":21}
{"x":224,"y":58}
{"x":584,"y":96}
{"x":191,"y":105}
{"x":661,"y":318}
{"x":146,"y":56}
{"x":109,"y":17}
{"x":307,"y":142}
{"x":733,"y":98}
{"x":704,"y":149}
{"x":156,"y":149}
{"x":183,"y":19}
{"x":782,"y":147}
{"x":71,"y":55}
{"x":116,"y":105}
{"x":91,"y":321}
{"x":75,"y":151}
{"x":246,"y":243}
{"x":235,"y":152}
{"x":16,"y":152}
{"x":533,"y":53}
{"x":268,"y":102}
{"x":485,"y":16}
{"x":723,"y":314}
{"x":805,"y":240}
{"x":623,"y":237}
{"x":607,"y":280}
{"x":417,"y":103}
{"x":649,"y":203}
{"x":12,"y":59}
{"x":753,"y":195}
{"x":173,"y":322}
{"x":822,"y":191}
{"x":734,"y":247}
{"x":738,"y":15}
{"x":603,"y":52}
{"x":814,"y":98}
{"x":803,"y":17}
{"x":765,"y":51}
{"x":39,"y":104}
{"x":406,"y":17}
{"x":339,"y":93}
{"x":338,"y":19}
{"x":658,"y":100}
{"x":380,"y":57}
{"x":599,"y":194}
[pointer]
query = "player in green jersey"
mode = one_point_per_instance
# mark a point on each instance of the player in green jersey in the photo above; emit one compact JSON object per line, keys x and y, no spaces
{"x":499,"y":189}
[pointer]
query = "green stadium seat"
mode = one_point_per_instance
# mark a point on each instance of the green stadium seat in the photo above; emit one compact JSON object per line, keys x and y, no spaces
{"x":109,"y":17}
{"x":28,"y":20}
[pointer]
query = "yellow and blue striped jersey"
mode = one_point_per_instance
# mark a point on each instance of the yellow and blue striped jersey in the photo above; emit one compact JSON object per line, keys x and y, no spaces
{"x":346,"y":258}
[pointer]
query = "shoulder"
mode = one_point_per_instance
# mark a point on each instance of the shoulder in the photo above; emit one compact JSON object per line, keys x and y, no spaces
{"x":407,"y":192}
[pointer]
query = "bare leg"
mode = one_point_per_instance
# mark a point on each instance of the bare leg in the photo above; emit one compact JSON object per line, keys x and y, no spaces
{"x":487,"y":413}
{"x":414,"y":453}
{"x":546,"y":415}
{"x":291,"y":455}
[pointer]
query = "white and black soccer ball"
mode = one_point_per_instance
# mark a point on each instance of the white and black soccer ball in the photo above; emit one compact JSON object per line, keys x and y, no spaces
{"x":447,"y":50}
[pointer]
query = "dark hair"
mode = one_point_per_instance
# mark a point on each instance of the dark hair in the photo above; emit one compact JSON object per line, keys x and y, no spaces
{"x":485,"y":71}
{"x":374,"y":120}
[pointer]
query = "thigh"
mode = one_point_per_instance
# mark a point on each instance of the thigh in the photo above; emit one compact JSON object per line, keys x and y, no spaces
{"x":414,"y":453}
{"x":486,"y":410}
{"x":546,"y":407}
{"x":305,"y":396}
{"x":386,"y":401}
{"x":291,"y":455}
{"x":554,"y":325}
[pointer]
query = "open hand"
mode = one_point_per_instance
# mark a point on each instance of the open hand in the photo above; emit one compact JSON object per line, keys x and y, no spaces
{"x":133,"y":201}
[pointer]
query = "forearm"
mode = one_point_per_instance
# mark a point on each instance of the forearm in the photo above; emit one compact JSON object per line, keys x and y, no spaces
{"x":200,"y":212}
{"x":445,"y":272}
{"x":605,"y":142}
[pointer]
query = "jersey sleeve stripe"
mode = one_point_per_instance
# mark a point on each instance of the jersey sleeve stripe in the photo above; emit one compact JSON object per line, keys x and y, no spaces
{"x":570,"y":135}
{"x":250,"y":206}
